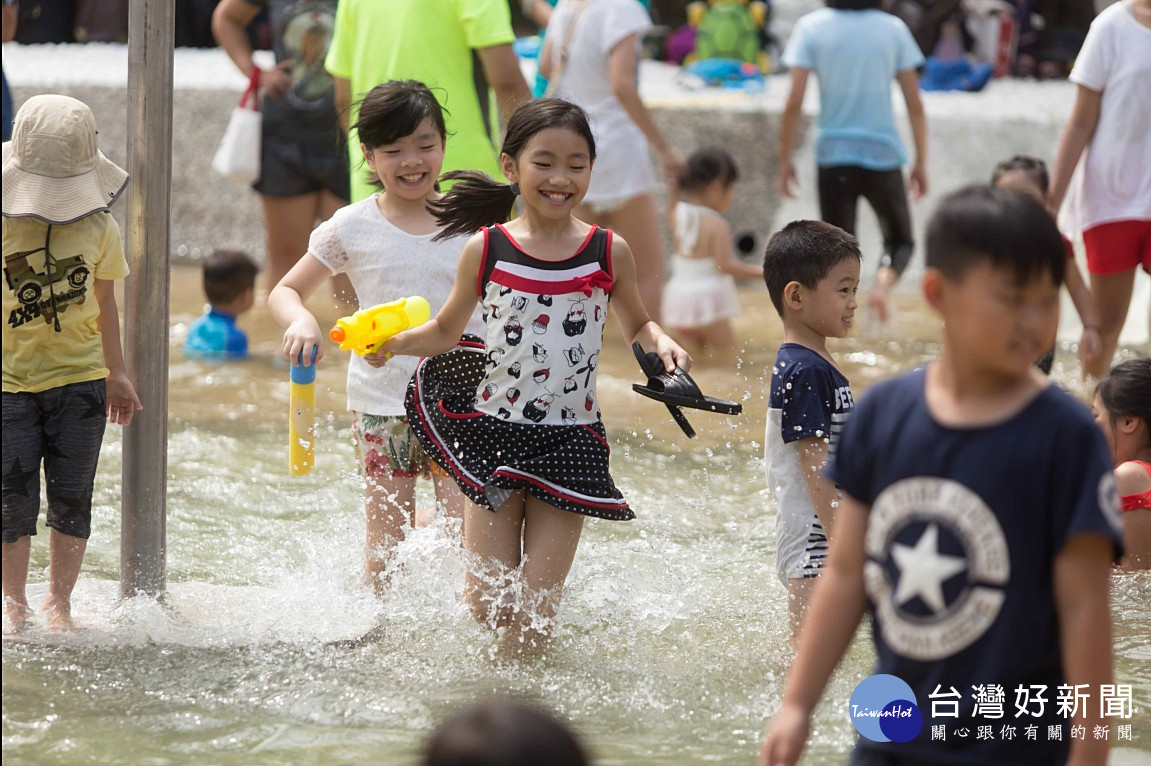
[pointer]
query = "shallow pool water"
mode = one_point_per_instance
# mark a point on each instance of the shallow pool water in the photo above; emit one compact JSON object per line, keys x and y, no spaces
{"x":268,"y":651}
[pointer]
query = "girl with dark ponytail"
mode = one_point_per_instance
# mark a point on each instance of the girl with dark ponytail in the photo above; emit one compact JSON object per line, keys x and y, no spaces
{"x":1122,"y":408}
{"x":515,"y":419}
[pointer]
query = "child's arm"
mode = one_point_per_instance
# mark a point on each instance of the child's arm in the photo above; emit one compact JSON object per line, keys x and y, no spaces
{"x":631,"y":314}
{"x":121,"y":394}
{"x":909,"y":84}
{"x":719,"y":245}
{"x":824,"y":495}
{"x":443,"y":332}
{"x":788,"y":183}
{"x":1082,"y":571}
{"x":1090,"y":341}
{"x":1132,"y":479}
{"x":837,"y":605}
{"x":1080,"y":128}
{"x":286,"y":303}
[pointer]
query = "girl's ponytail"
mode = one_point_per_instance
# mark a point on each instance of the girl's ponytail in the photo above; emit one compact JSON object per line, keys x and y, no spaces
{"x":476,"y":200}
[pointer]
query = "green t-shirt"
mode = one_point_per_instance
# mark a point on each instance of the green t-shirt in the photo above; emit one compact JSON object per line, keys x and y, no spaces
{"x":431,"y":41}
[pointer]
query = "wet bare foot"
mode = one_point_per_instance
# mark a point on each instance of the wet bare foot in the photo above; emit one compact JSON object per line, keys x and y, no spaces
{"x":58,"y":615}
{"x":17,"y":615}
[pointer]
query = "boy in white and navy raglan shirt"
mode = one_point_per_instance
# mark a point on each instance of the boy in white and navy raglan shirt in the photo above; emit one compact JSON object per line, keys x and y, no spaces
{"x":812,"y":273}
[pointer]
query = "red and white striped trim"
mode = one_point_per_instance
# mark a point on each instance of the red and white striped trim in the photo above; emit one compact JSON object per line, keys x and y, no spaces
{"x":530,"y":279}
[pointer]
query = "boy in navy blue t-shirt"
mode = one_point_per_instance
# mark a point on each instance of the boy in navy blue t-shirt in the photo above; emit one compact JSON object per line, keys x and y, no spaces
{"x":812,"y":273}
{"x":979,"y":519}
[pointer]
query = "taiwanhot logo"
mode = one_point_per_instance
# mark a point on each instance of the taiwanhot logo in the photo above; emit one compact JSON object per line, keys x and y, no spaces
{"x":883,"y":709}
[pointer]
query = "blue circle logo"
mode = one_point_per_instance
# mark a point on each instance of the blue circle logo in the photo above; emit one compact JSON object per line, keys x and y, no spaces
{"x":883,"y":709}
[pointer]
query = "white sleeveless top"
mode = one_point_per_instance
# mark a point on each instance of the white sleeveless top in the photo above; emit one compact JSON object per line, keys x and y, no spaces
{"x":545,"y":323}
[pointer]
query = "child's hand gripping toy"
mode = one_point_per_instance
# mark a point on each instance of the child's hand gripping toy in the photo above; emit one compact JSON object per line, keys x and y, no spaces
{"x":676,"y":390}
{"x":368,"y":329}
{"x":302,"y":417}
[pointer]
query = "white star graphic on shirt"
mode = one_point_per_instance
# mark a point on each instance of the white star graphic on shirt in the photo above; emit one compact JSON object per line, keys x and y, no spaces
{"x":923,"y":570}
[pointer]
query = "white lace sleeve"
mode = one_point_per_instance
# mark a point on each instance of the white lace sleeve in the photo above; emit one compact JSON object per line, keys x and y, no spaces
{"x":326,"y":245}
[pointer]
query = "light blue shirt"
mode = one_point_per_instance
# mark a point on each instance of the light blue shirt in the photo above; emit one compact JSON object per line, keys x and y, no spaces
{"x":855,"y":55}
{"x":215,"y":337}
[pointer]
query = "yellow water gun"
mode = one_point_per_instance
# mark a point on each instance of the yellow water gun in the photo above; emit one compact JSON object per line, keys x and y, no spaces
{"x":368,"y":329}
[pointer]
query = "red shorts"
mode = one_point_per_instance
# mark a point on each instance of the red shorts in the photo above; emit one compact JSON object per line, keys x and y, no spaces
{"x":1118,"y":246}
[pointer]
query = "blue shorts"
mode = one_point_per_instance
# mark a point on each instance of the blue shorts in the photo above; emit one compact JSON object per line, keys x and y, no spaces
{"x":63,"y":429}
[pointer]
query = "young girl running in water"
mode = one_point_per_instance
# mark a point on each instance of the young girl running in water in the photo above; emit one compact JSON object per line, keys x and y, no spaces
{"x":516,"y":420}
{"x":699,"y":300}
{"x":1122,"y":409}
{"x":1029,"y":175}
{"x":387,"y":244}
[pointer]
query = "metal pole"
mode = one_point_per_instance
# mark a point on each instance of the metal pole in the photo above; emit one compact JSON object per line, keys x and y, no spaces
{"x":151,"y":34}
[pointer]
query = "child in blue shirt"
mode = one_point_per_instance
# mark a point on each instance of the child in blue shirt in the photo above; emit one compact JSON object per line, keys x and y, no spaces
{"x":979,"y":516}
{"x":230,"y":284}
{"x":812,"y":273}
{"x":856,"y":51}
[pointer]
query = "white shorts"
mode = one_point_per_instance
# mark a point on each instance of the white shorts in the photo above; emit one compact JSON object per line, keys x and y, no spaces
{"x":698,"y":294}
{"x":623,"y":170}
{"x":801,"y":546}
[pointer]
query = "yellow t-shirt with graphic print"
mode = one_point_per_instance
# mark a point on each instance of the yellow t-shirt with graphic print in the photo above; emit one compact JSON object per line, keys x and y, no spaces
{"x":51,"y":315}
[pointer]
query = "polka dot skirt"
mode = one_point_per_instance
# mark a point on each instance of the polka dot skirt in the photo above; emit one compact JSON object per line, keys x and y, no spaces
{"x":564,"y":466}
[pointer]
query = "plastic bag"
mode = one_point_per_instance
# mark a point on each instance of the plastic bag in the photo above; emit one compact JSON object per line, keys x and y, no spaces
{"x":238,"y":156}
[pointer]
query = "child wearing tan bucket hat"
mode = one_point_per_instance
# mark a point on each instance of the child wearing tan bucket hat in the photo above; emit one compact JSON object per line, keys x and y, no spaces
{"x":63,"y":364}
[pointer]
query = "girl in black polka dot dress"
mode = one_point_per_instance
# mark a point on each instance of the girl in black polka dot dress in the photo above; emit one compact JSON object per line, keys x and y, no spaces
{"x":514,"y":418}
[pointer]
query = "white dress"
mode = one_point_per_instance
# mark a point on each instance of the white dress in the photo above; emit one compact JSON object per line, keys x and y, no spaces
{"x":623,"y":168}
{"x":698,"y":293}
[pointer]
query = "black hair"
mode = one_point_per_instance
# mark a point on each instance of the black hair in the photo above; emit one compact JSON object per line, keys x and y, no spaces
{"x":393,"y":110}
{"x":1006,"y":227}
{"x":804,"y":252}
{"x":854,"y":5}
{"x":1126,"y":391}
{"x":499,"y":732}
{"x":476,"y":199}
{"x":227,"y":275}
{"x":1035,"y":168}
{"x":707,"y":165}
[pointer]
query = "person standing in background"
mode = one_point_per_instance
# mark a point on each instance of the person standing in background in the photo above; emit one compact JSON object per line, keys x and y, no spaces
{"x":462,"y":50}
{"x":303,"y":170}
{"x":855,"y":51}
{"x":591,"y":58}
{"x":1102,"y":173}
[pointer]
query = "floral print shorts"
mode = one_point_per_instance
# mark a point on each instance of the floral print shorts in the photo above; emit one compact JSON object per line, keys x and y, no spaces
{"x":386,"y":447}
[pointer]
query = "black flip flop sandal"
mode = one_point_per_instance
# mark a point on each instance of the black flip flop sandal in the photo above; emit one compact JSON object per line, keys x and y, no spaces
{"x":676,"y":390}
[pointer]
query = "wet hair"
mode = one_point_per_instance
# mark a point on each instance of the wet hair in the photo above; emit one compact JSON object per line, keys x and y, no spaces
{"x":1035,"y":168}
{"x":1126,"y":391}
{"x":500,"y":732}
{"x":804,"y":252}
{"x":707,"y":165}
{"x":854,"y":5}
{"x":1005,"y":227}
{"x":393,"y":110}
{"x":228,"y":274}
{"x":477,"y":200}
